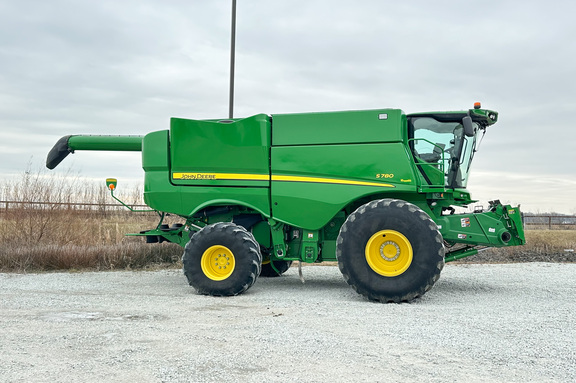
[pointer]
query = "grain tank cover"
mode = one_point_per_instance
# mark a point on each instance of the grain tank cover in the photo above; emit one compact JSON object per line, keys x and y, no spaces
{"x":361,"y":126}
{"x":220,"y":153}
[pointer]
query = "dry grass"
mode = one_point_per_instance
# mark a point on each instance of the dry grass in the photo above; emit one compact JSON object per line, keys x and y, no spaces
{"x":53,"y":237}
{"x":130,"y":255}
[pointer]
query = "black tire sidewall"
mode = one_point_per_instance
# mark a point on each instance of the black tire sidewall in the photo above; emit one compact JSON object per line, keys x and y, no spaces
{"x":281,"y":266}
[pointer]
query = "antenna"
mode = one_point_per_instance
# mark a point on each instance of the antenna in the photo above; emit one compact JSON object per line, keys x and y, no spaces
{"x":232,"y":59}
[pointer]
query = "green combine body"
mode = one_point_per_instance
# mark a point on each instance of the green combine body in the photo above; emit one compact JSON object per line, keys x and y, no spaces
{"x":374,"y":190}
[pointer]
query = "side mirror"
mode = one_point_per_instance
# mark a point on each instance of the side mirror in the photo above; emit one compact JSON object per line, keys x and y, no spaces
{"x":468,"y":126}
{"x":111,"y":183}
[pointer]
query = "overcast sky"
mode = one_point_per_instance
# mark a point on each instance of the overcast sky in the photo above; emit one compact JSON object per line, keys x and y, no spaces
{"x":126,"y":67}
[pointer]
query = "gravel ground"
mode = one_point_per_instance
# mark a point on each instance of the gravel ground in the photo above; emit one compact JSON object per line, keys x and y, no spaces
{"x":499,"y":323}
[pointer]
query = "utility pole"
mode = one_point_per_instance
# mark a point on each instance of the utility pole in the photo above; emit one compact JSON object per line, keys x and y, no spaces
{"x":232,"y":59}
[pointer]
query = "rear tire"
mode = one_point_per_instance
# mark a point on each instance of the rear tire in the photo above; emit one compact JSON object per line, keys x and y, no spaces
{"x":281,"y":266}
{"x":390,"y":251}
{"x":222,"y":259}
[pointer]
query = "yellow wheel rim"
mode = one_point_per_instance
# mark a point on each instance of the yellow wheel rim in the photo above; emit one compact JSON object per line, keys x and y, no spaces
{"x":218,"y":262}
{"x":389,"y":253}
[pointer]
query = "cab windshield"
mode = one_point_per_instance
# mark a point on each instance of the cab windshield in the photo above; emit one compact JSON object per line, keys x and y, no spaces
{"x":442,"y":151}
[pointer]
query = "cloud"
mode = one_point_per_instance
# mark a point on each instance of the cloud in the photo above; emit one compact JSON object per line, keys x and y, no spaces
{"x":536,"y":193}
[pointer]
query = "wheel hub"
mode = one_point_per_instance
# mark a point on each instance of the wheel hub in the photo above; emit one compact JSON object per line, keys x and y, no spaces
{"x":390,"y":251}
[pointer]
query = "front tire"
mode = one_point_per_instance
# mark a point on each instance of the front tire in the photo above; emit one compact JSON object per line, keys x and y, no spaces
{"x":390,"y":251}
{"x":222,"y":259}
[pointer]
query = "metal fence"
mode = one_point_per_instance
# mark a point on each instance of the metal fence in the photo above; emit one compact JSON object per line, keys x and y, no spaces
{"x":80,"y":206}
{"x":550,"y":221}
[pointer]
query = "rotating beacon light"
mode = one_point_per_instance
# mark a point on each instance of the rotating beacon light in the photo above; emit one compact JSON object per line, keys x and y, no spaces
{"x":111,"y":183}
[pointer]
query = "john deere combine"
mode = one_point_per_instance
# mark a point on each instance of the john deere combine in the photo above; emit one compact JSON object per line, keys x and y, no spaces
{"x":374,"y":190}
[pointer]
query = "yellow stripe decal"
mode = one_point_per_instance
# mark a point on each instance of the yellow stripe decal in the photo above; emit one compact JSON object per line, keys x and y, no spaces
{"x":220,"y":176}
{"x":266,"y":177}
{"x":328,"y":181}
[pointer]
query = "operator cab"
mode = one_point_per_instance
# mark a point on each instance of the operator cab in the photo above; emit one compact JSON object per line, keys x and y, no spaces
{"x":443,"y":144}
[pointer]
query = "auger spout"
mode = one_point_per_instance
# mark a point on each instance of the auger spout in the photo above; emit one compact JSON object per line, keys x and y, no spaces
{"x":68,"y":144}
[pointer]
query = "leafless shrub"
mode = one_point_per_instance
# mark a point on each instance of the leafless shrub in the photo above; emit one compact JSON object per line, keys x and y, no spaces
{"x":57,"y":234}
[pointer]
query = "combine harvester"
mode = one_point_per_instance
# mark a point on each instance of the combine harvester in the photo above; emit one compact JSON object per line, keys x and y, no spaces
{"x":374,"y":190}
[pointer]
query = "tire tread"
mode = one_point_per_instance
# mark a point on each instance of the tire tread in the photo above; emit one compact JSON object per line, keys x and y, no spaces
{"x":239,"y":235}
{"x":410,"y":210}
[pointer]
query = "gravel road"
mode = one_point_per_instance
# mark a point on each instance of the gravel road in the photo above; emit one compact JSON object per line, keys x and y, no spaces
{"x":498,"y":323}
